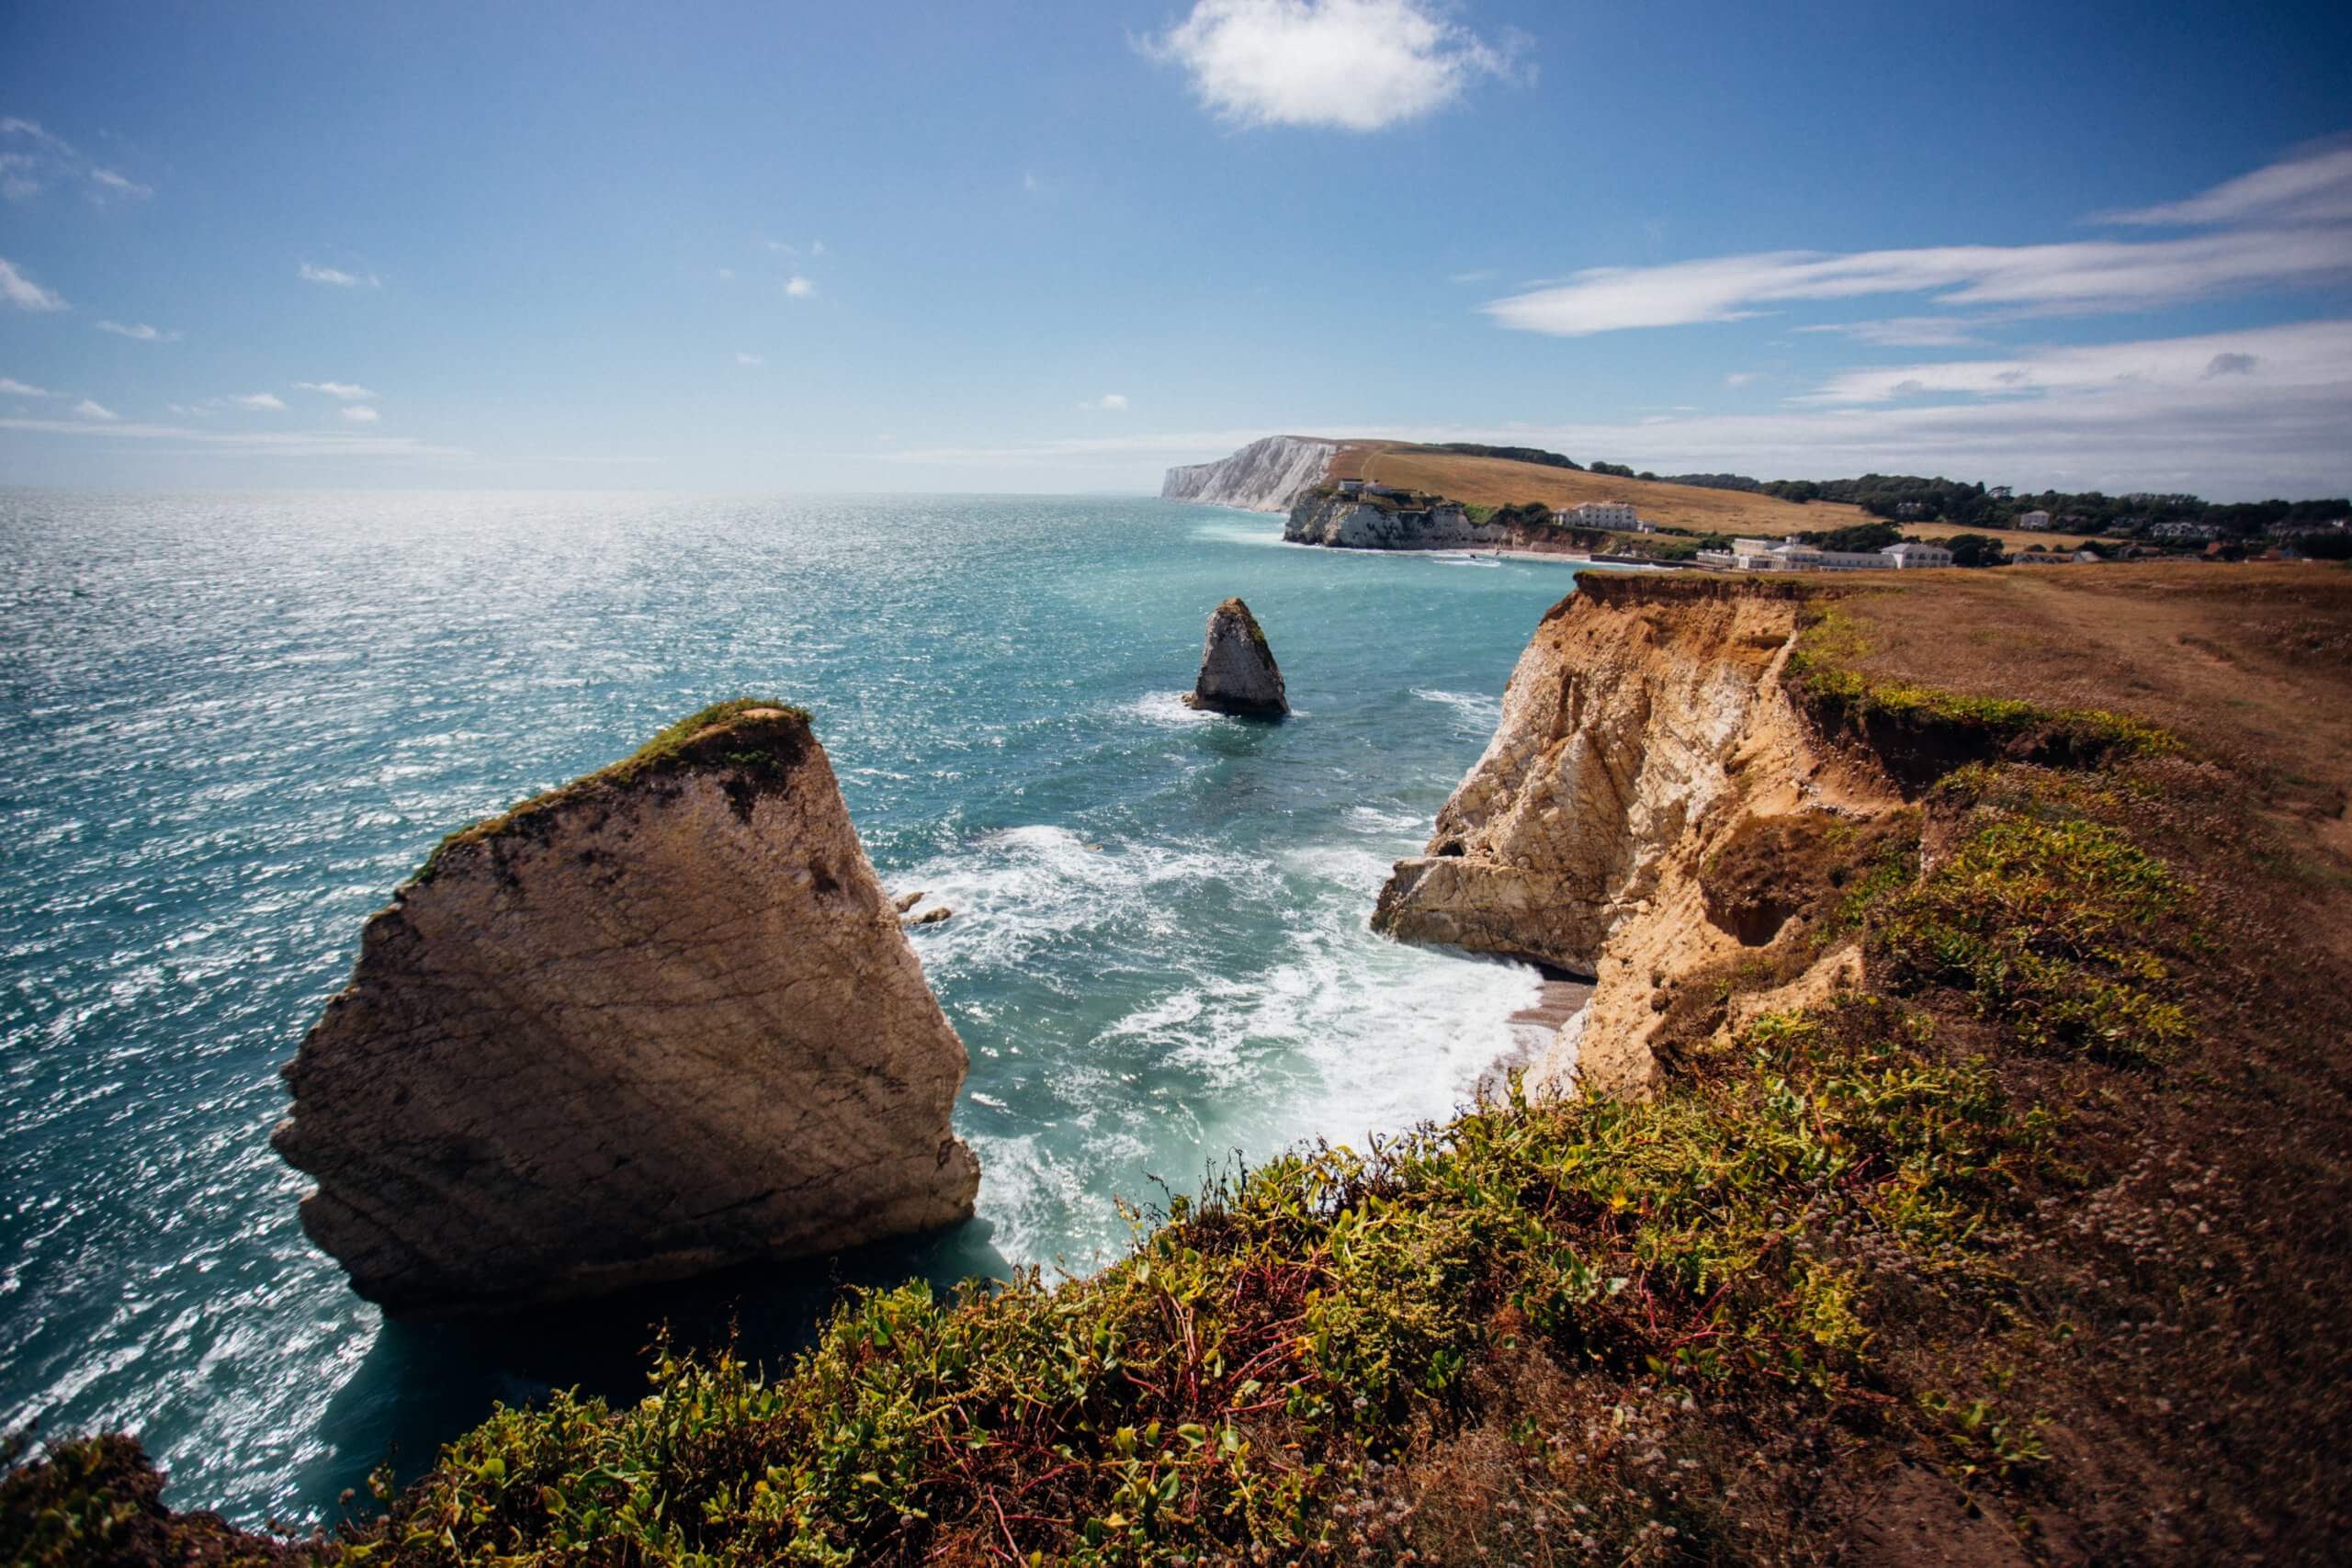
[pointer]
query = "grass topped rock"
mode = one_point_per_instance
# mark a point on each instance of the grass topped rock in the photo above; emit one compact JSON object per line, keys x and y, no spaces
{"x":657,"y":1022}
{"x":1237,"y":671}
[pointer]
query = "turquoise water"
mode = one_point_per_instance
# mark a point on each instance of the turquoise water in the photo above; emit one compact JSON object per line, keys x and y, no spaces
{"x":231,"y":724}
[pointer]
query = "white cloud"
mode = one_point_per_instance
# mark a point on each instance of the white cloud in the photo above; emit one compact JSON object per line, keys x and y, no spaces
{"x":345,"y":390}
{"x":1346,"y":65}
{"x":12,"y":388}
{"x":91,"y":408}
{"x":266,"y":402}
{"x":2311,"y":188}
{"x":2307,"y":354}
{"x":726,"y":274}
{"x":2067,"y":278}
{"x":360,"y":414}
{"x":816,"y":247}
{"x":24,"y":293}
{"x":799,"y":287}
{"x":1739,"y":377}
{"x":19,"y":175}
{"x":1908,"y":331}
{"x":338,"y":277}
{"x":743,"y":358}
{"x":2293,"y":228}
{"x":110,"y":184}
{"x":259,"y":443}
{"x":1109,"y":403}
{"x":140,"y":331}
{"x":1482,"y":274}
{"x":37,"y":158}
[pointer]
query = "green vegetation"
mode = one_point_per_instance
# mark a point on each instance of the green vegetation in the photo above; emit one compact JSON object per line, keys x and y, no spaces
{"x":1261,"y":1351}
{"x":1514,"y":454}
{"x":674,"y":745}
{"x":1859,"y":536}
{"x":2048,"y":925}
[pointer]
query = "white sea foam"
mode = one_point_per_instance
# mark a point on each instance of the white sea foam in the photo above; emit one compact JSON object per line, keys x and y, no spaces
{"x":1473,"y":709}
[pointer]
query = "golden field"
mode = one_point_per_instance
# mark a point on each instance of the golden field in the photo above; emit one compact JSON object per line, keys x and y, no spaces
{"x":1499,"y":481}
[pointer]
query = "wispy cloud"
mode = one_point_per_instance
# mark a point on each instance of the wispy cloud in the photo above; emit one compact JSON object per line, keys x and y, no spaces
{"x":24,"y":293}
{"x":1340,"y":64}
{"x":12,"y":388}
{"x":360,"y":414}
{"x":32,"y":159}
{"x":113,"y":185}
{"x":2307,"y":354}
{"x":2313,"y":187}
{"x":2099,"y":275}
{"x":347,"y":391}
{"x":2300,"y":213}
{"x":1739,"y":377}
{"x":1481,"y":275}
{"x":339,"y":279}
{"x":1109,"y":403}
{"x":255,"y":443}
{"x":799,"y":287}
{"x":139,"y":331}
{"x":90,"y":408}
{"x":265,"y":402}
{"x":743,"y":358}
{"x":1907,"y":332}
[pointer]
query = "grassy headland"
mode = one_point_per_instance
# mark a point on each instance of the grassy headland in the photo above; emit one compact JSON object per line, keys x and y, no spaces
{"x":2033,"y":1250}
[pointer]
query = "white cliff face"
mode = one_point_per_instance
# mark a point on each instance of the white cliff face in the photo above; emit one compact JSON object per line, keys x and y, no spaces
{"x":1265,"y":476}
{"x":1352,"y":525}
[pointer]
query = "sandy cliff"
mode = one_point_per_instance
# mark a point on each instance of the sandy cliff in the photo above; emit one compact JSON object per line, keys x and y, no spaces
{"x":1644,"y":732}
{"x":1265,"y":476}
{"x":658,"y":1022}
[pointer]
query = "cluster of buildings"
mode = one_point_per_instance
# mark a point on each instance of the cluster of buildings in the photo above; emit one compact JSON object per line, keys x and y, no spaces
{"x":1780,"y":555}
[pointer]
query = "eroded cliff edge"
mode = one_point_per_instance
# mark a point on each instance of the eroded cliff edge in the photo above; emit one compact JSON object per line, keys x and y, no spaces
{"x":1645,"y":734}
{"x":658,"y":1022}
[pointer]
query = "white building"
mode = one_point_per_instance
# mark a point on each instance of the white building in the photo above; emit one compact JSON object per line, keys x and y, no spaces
{"x":1767,"y":555}
{"x":2035,"y":522}
{"x":1911,"y":554}
{"x":1598,"y":514}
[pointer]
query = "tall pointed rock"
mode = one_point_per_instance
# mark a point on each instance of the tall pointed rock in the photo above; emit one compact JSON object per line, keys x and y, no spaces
{"x":657,"y":1022}
{"x":1237,"y":671}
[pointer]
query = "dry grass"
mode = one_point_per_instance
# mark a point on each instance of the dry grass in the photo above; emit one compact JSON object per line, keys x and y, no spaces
{"x":2253,"y":664}
{"x":1499,"y":481}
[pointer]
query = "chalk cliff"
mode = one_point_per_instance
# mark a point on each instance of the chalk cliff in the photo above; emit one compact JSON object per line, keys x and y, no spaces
{"x":1265,"y":476}
{"x":1645,"y":729}
{"x":1237,"y":671}
{"x":657,"y":1022}
{"x":1352,"y":523}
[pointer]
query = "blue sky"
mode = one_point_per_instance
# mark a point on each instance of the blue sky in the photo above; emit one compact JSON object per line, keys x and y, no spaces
{"x":1040,"y":247}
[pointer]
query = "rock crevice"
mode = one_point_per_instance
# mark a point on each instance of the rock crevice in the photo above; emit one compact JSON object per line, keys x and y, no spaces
{"x":659,"y":1022}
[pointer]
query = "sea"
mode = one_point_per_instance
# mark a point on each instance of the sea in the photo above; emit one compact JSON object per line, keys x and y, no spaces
{"x":231,"y":724}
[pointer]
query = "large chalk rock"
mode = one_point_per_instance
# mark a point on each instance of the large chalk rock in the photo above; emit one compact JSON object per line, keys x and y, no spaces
{"x":1238,"y":671}
{"x":655,"y":1022}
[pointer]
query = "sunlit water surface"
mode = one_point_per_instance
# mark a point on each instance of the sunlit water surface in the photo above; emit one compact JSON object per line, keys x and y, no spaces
{"x":230,"y":725}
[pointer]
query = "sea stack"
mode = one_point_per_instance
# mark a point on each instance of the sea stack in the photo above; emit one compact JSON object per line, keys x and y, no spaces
{"x":1238,"y":671}
{"x":655,"y":1022}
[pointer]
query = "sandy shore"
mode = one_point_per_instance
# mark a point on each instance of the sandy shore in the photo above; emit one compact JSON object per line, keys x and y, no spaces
{"x":1533,"y":1030}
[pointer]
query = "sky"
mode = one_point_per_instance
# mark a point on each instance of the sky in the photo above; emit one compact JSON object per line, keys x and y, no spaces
{"x":1041,"y":247}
